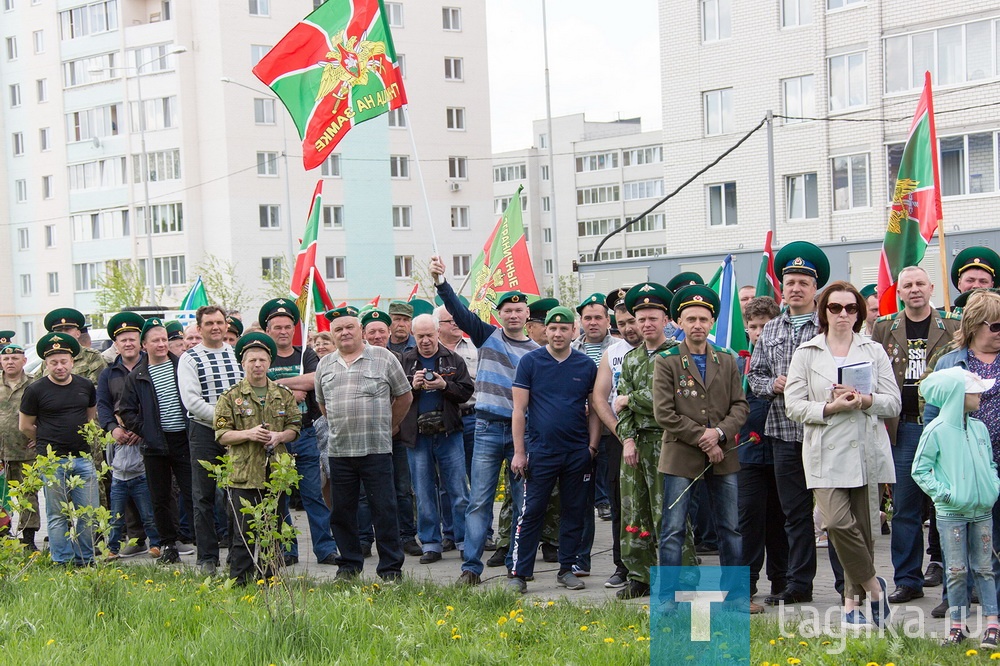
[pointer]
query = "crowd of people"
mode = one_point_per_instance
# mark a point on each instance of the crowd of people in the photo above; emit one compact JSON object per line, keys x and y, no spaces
{"x":621,"y":409}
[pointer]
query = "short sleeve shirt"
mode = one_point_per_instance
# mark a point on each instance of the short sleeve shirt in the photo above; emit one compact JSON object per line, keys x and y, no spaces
{"x":557,"y":403}
{"x":60,"y":410}
{"x":283,"y":367}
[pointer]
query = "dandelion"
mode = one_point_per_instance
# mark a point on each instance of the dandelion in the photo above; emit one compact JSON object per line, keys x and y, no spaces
{"x":449,"y":608}
{"x":149,"y":581}
{"x":100,"y":613}
{"x":50,"y":641}
{"x":167,"y":623}
{"x":261,"y":581}
{"x":176,"y":572}
{"x":519,"y":620}
{"x":793,"y":661}
{"x":826,"y":643}
{"x":172,"y":600}
{"x":368,"y":599}
{"x":440,"y":622}
{"x":609,"y":640}
{"x":502,"y":621}
{"x":803,"y":644}
{"x":584,"y":627}
{"x":773,"y":642}
{"x":197,"y":608}
{"x":995,"y":655}
{"x":971,"y":653}
{"x":551,"y":603}
{"x":503,"y":634}
{"x":456,"y":637}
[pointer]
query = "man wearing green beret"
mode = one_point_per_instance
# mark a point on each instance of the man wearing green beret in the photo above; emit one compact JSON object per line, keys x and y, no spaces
{"x":52,"y":412}
{"x":700,"y":405}
{"x":401,"y":317}
{"x":975,"y":268}
{"x":234,"y":329}
{"x":535,"y":325}
{"x":375,"y":324}
{"x":255,"y":420}
{"x":89,"y":363}
{"x":684,"y":279}
{"x":869,"y":292}
{"x":175,"y":336}
{"x":15,"y":451}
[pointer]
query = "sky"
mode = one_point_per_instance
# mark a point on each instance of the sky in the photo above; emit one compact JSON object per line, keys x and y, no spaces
{"x":604,"y":61}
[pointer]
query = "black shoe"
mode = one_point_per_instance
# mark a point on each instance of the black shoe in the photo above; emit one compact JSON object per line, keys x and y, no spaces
{"x":290,"y":559}
{"x":169,"y":556}
{"x":940,"y":610}
{"x":347,"y":575}
{"x":633,"y":590}
{"x":903,"y":593}
{"x":604,"y":511}
{"x":412,"y":548}
{"x":490,"y":545}
{"x":430,"y":557}
{"x":885,"y":528}
{"x":329,"y":559}
{"x":933,"y":575}
{"x":447,"y":545}
{"x":788,"y":597}
{"x":702,"y":549}
{"x":498,"y":558}
{"x":366,"y":550}
{"x":974,"y":599}
{"x":550,"y":553}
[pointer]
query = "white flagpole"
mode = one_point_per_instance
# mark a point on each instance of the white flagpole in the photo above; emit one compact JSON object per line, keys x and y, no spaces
{"x":306,"y":316}
{"x":420,"y":177}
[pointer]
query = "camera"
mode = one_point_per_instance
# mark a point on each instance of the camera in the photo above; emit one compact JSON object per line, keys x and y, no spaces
{"x":428,"y":375}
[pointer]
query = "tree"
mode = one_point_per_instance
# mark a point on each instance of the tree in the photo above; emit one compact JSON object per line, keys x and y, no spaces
{"x":569,"y":289}
{"x":122,"y":286}
{"x":222,"y":285}
{"x":277,"y":281}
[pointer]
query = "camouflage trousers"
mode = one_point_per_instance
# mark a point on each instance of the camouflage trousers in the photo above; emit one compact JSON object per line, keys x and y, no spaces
{"x":550,"y":524}
{"x":27,"y":520}
{"x":642,"y":511}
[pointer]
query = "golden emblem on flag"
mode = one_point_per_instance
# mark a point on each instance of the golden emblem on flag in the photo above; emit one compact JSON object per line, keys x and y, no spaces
{"x":348,"y":65}
{"x":902,"y":203}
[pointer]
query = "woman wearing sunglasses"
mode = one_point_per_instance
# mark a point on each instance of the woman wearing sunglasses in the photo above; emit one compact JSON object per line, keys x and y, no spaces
{"x":845,"y":450}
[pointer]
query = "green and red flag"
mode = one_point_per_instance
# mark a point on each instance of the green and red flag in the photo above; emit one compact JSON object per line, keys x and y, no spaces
{"x":306,"y":279}
{"x":767,"y":280}
{"x":504,"y":264}
{"x":916,"y":203}
{"x":333,"y":70}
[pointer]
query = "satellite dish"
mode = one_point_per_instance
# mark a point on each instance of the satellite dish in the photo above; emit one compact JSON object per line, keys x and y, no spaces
{"x":97,"y":142}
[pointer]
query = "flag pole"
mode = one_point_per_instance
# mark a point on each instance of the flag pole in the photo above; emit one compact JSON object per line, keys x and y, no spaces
{"x":943,"y":254}
{"x":420,"y":177}
{"x":306,"y":316}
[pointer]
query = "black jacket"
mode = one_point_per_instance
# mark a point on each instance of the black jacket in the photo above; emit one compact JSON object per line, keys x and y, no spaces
{"x":139,"y":408}
{"x":458,"y":389}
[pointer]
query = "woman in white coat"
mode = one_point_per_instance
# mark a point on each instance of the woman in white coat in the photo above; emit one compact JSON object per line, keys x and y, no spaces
{"x":845,"y":449}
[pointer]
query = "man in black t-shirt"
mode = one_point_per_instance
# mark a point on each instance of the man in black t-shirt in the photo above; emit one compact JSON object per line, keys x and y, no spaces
{"x":295,"y":369}
{"x":53,"y":410}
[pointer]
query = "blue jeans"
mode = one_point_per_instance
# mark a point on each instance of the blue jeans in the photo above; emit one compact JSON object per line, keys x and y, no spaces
{"x":62,"y":548}
{"x":494,"y":444}
{"x":121,"y":491}
{"x":444,"y":452}
{"x":967,"y":545}
{"x":723,"y":498}
{"x":907,"y":541}
{"x":311,"y":491}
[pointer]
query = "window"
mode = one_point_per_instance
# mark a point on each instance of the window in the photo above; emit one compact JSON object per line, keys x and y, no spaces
{"x":260,"y":7}
{"x":639,"y":252}
{"x":796,"y":12}
{"x":270,"y":267}
{"x":543,"y":140}
{"x":601,"y":227}
{"x":156,"y":114}
{"x":841,"y":4}
{"x":456,"y":118}
{"x":643,"y":189}
{"x":546,"y":205}
{"x":47,"y":192}
{"x":594,"y":195}
{"x":28,"y":329}
{"x":647,"y":155}
{"x":394,"y":14}
{"x":460,"y":265}
{"x":50,"y":235}
{"x":451,"y":18}
{"x":42,"y":90}
{"x":402,"y":218}
{"x":88,"y":276}
{"x":718,"y":111}
{"x":53,"y":281}
{"x":100,"y":225}
{"x":401,"y":63}
{"x":716,"y":20}
{"x":458,"y":168}
{"x":166,"y":218}
{"x":546,"y":234}
{"x":45,"y":139}
{"x":167,"y":271}
{"x":149,"y":59}
{"x":263,"y":111}
{"x":548,"y":266}
{"x":967,"y":165}
{"x":15,"y":95}
{"x":399,"y":166}
{"x":802,"y":196}
{"x":544,"y":171}
{"x":89,"y":123}
{"x":500,"y":206}
{"x":90,"y":19}
{"x":453,"y":69}
{"x":12,"y":48}
{"x":23,"y":239}
{"x":502,"y":174}
{"x":397,"y":118}
{"x":90,"y":70}
{"x":798,"y":99}
{"x":606,"y":255}
{"x":848,"y":82}
{"x":38,"y":39}
{"x":109,"y":172}
{"x":459,"y":217}
{"x":404,"y":266}
{"x":267,"y":164}
{"x":8,"y":5}
{"x":21,"y":190}
{"x":162,"y":165}
{"x":652,"y":222}
{"x":270,"y":216}
{"x":25,"y":284}
{"x":722,"y":205}
{"x":597,"y":161}
{"x":850,"y":182}
{"x":257,"y":53}
{"x":953,"y":55}
{"x":18,"y":140}
{"x":333,"y":217}
{"x":331,"y":166}
{"x":336,"y":268}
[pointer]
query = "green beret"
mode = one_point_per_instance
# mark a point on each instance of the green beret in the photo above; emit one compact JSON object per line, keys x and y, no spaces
{"x":869,"y":290}
{"x":374,"y":315}
{"x":278,"y":307}
{"x":964,"y":297}
{"x":401,"y":308}
{"x":175,"y":330}
{"x":64,"y":317}
{"x":57,"y":343}
{"x":614,"y":323}
{"x":695,"y":294}
{"x":255,"y":340}
{"x":6,"y":337}
{"x":648,"y":295}
{"x":123,"y":322}
{"x":975,"y":257}
{"x":149,"y":324}
{"x":804,"y":258}
{"x":559,"y":315}
{"x":420,"y":306}
{"x":462,"y":299}
{"x":615,"y":298}
{"x":343,"y":311}
{"x":540,"y":308}
{"x":235,"y":325}
{"x":10,"y":349}
{"x":365,"y":308}
{"x":593,"y":299}
{"x":683,"y":280}
{"x":511,"y":297}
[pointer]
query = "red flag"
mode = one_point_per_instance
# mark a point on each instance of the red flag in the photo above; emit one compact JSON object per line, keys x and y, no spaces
{"x":374,"y":301}
{"x":321,"y":302}
{"x":768,"y":283}
{"x":413,"y":293}
{"x":306,"y":258}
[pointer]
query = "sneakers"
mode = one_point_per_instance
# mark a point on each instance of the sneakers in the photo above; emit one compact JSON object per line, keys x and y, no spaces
{"x":469,"y":578}
{"x":154,"y":552}
{"x":879,"y":610}
{"x":940,"y":610}
{"x":618,"y":579}
{"x":518,"y":585}
{"x":347,"y":575}
{"x":490,"y":545}
{"x":184,"y":549}
{"x":580,"y":572}
{"x":498,"y":558}
{"x":633,"y":590}
{"x":989,"y":640}
{"x":756,"y":609}
{"x":113,"y":556}
{"x":568,"y":580}
{"x":430,"y":557}
{"x":956,"y":637}
{"x":604,"y":511}
{"x":132,"y":551}
{"x":933,"y":575}
{"x":822,"y":541}
{"x":447,"y":545}
{"x":411,"y":547}
{"x":330,"y":559}
{"x":366,"y":550}
{"x":170,"y":556}
{"x":207,"y":568}
{"x":854,"y":620}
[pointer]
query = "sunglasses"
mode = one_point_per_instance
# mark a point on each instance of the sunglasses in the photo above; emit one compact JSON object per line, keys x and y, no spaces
{"x":837,"y":308}
{"x":994,"y":327}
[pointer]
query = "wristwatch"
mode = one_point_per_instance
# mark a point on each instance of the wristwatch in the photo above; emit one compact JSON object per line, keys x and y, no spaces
{"x":722,"y":435}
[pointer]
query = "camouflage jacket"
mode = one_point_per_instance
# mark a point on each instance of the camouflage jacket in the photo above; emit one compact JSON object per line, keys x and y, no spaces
{"x":637,"y":383}
{"x":88,"y":364}
{"x":239,"y":409}
{"x":13,"y":445}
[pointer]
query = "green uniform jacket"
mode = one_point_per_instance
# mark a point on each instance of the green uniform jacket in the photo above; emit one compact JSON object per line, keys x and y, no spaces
{"x":685,"y":406}
{"x":239,"y":409}
{"x":636,"y":382}
{"x":13,"y":444}
{"x":88,"y":364}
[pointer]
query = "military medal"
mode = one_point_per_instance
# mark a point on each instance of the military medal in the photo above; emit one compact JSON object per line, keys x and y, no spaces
{"x":694,"y":394}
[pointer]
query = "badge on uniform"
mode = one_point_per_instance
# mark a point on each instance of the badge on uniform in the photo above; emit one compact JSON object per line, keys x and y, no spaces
{"x":239,"y":401}
{"x":249,"y":412}
{"x":694,"y":394}
{"x":281,"y":413}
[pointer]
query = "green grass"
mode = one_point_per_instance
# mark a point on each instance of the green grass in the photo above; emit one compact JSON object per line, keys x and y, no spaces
{"x":140,"y":614}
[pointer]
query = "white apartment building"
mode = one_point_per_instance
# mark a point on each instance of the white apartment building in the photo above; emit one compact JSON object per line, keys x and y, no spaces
{"x":225,"y":175}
